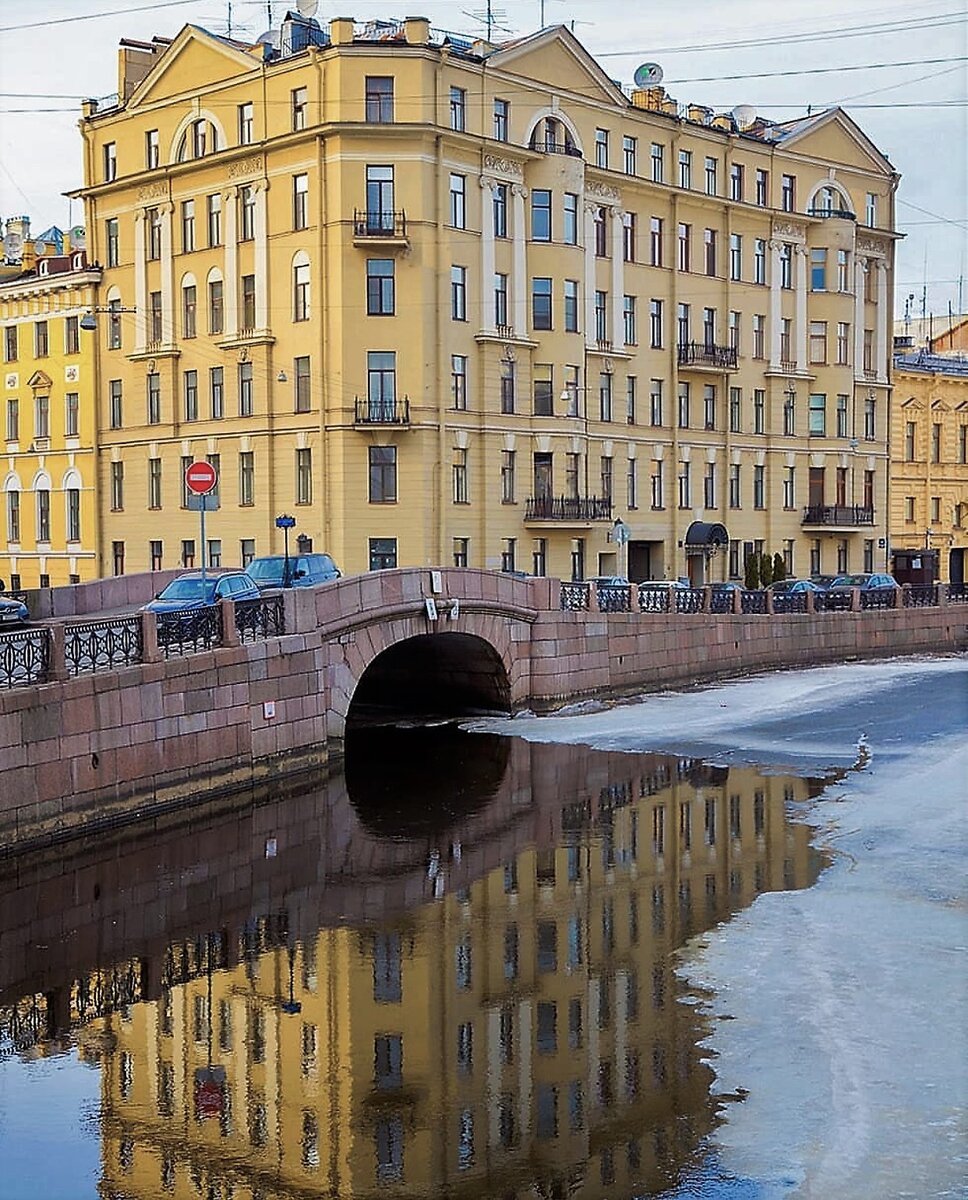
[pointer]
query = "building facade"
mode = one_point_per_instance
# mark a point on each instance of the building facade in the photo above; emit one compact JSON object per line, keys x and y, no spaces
{"x":929,"y":459}
{"x":452,"y":303}
{"x":49,"y":535}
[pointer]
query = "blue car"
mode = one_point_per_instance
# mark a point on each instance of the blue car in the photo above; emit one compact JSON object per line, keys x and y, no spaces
{"x":13,"y":613}
{"x":190,"y":591}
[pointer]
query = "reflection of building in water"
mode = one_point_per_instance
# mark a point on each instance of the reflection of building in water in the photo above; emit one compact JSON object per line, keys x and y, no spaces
{"x":522,"y":1030}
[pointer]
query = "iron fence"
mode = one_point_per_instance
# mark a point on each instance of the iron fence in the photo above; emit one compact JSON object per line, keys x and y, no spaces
{"x":879,"y":598}
{"x":752,"y":602}
{"x":24,"y":657}
{"x":791,"y":602}
{"x":189,"y":630}
{"x":258,"y":620}
{"x":99,"y":645}
{"x":655,"y":600}
{"x":574,"y":597}
{"x":957,"y":593}
{"x":721,"y":600}
{"x":614,"y":597}
{"x":921,"y":595}
{"x":689,"y":600}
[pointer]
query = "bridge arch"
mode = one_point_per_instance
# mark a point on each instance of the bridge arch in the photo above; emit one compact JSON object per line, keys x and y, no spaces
{"x":423,"y":674}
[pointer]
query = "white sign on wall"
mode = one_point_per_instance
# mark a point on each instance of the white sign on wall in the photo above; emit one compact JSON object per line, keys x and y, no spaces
{"x":11,"y":380}
{"x":72,"y":374}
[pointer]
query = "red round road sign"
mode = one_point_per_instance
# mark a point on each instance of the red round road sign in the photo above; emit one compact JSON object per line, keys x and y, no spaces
{"x":200,"y":478}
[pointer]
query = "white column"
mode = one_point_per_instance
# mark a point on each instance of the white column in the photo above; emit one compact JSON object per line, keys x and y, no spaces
{"x":775,"y":307}
{"x":488,"y":314}
{"x":880,"y":338}
{"x":260,"y":228}
{"x":230,"y":286}
{"x":519,"y":275}
{"x":140,"y":282}
{"x":860,"y":271}
{"x":800,"y":317}
{"x":618,"y":278}
{"x":590,"y":210}
{"x":167,"y":278}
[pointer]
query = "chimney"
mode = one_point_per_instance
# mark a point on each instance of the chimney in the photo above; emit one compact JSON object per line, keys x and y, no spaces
{"x":341,"y":31}
{"x":650,"y":98}
{"x":416,"y":31}
{"x":135,"y":60}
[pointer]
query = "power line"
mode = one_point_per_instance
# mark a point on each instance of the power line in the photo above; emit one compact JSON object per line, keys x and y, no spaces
{"x":914,"y":62}
{"x":95,"y":16}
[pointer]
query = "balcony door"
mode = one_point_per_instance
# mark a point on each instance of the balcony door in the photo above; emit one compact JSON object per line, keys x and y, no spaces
{"x":543,"y":479}
{"x":841,"y":500}
{"x":379,"y":199}
{"x":815,"y":486}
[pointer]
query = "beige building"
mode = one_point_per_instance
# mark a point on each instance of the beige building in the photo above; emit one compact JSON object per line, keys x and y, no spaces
{"x":929,"y":460}
{"x":448,"y":302}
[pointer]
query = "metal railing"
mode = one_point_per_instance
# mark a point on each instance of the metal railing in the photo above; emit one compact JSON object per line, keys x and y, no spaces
{"x":957,"y":593}
{"x":791,"y":602}
{"x":706,"y":354}
{"x":24,"y":657}
{"x":843,"y":213}
{"x":556,"y":148}
{"x":574,"y":597}
{"x":259,"y":620}
{"x":752,"y":602}
{"x":97,"y":645}
{"x":382,"y":412}
{"x":879,"y":598}
{"x":922,"y":595}
{"x":190,"y":630}
{"x":567,"y":508}
{"x":838,"y":514}
{"x":689,"y":600}
{"x":655,"y":600}
{"x":721,"y":600}
{"x":379,"y":224}
{"x":614,"y":597}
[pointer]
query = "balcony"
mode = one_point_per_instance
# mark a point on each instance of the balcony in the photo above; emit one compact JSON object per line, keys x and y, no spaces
{"x":568,"y":509}
{"x":545,"y":147}
{"x":380,"y":228}
{"x":707,"y":356}
{"x":382,"y":412}
{"x":844,"y":214}
{"x":837,"y":516}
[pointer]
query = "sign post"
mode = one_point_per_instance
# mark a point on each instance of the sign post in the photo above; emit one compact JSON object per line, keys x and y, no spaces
{"x":621,"y":534}
{"x":285,"y":523}
{"x":201,"y":479}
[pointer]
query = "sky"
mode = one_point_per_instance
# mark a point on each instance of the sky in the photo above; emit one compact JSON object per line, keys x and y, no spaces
{"x":899,"y":69}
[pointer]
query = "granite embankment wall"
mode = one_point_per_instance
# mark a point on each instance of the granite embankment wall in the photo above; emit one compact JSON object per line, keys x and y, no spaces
{"x":89,"y":751}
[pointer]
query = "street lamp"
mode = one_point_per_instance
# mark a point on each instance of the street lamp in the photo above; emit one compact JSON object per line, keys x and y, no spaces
{"x":89,"y":321}
{"x":285,"y":523}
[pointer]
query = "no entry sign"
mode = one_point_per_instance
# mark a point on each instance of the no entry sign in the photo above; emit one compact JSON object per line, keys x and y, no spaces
{"x":200,"y":478}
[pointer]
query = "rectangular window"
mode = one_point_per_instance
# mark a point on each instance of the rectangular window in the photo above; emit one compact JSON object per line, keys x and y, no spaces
{"x":213,"y":208}
{"x":655,"y":402}
{"x":759,"y":336}
{"x":629,"y":223}
{"x":571,"y":306}
{"x":735,"y":410}
{"x":300,"y":292}
{"x":71,"y":414}
{"x":629,"y":153}
{"x":709,"y":251}
{"x":248,"y":303}
{"x":789,"y":488}
{"x":458,"y":293}
{"x":41,"y":339}
{"x":843,"y":271}
{"x":818,"y":269}
{"x":735,"y":493}
{"x":629,"y":322}
{"x":188,"y":226}
{"x":735,"y":256}
{"x":541,"y":215}
{"x":871,"y":209}
{"x":842,"y":402}
{"x":72,"y":336}
{"x":541,"y":303}
{"x":601,"y":317}
{"x":658,"y":490}
{"x":458,"y":380}
{"x":154,"y":483}
{"x":788,"y":193}
{"x":936,"y":442}
{"x":460,"y":552}
{"x":605,"y":396}
{"x":246,"y":214}
{"x":709,"y":486}
{"x":657,"y":156}
{"x":13,"y":419}
{"x":216,"y":312}
{"x":683,"y":238}
{"x":502,"y":112}
{"x":459,"y":476}
{"x":736,"y":182}
{"x":543,"y":394}
{"x":500,"y":209}
{"x":110,"y":161}
{"x":155,"y":326}
{"x":655,"y":324}
{"x":601,"y":148}
{"x":630,"y":397}
{"x":300,"y":201}
{"x":759,"y":487}
{"x":299,"y":107}
{"x":570,"y":229}
{"x":501,"y":300}
{"x":458,"y":201}
{"x":246,"y":124}
{"x":152,"y":149}
{"x":683,"y":405}
{"x":153,"y":217}
{"x":156,"y":554}
{"x":458,"y":109}
{"x":790,"y":413}
{"x":379,"y":99}
{"x":190,"y":392}
{"x":843,"y":343}
{"x":189,"y":305}
{"x":682,"y":324}
{"x":870,"y":419}
{"x":11,"y":348}
{"x":759,"y":260}
{"x":381,"y":384}
{"x":42,"y":416}
{"x":786,"y":265}
{"x":817,"y":416}
{"x":655,"y":241}
{"x":246,"y":478}
{"x":734,"y":327}
{"x":380,"y":289}
{"x":762,"y":187}
{"x":507,"y":476}
{"x":216,"y":392}
{"x":685,"y":168}
{"x":507,"y":386}
{"x":153,"y":388}
{"x":304,"y":476}
{"x":115,"y":413}
{"x":302,"y":391}
{"x":818,"y":341}
{"x":685,"y":487}
{"x":111,"y":241}
{"x":117,"y":488}
{"x":631,"y":484}
{"x":246,"y":385}
{"x":709,"y":406}
{"x":759,"y":410}
{"x":712,"y":168}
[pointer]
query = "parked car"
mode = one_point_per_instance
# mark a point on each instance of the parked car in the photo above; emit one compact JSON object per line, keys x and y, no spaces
{"x":664,"y":584}
{"x":13,"y":613}
{"x":305,"y":570}
{"x":608,"y":581}
{"x":190,"y":590}
{"x":784,"y":590}
{"x":839,"y":593}
{"x":822,"y":581}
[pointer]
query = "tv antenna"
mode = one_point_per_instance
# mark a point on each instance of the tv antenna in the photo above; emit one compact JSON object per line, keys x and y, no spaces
{"x":491,"y":18}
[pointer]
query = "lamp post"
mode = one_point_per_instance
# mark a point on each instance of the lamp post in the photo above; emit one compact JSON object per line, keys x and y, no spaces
{"x":285,"y":523}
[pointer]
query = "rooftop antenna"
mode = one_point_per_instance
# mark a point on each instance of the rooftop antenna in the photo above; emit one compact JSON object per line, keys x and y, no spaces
{"x":491,"y":18}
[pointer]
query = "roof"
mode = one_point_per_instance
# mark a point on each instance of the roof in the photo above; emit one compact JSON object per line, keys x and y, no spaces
{"x":706,"y":533}
{"x":932,"y":364}
{"x":925,"y":329}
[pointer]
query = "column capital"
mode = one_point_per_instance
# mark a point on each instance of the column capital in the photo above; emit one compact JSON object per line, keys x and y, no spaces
{"x":518,"y":189}
{"x":488,"y":182}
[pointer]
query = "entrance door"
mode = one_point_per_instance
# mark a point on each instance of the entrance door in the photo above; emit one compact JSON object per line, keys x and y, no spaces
{"x":956,"y":566}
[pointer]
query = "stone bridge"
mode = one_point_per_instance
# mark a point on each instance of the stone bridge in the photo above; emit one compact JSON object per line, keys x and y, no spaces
{"x":85,"y":752}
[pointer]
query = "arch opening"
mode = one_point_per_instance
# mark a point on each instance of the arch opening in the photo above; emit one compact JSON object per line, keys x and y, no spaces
{"x":438,"y":675}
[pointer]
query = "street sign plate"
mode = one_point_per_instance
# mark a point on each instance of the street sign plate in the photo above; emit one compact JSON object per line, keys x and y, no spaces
{"x":203,"y":503}
{"x":200,"y":478}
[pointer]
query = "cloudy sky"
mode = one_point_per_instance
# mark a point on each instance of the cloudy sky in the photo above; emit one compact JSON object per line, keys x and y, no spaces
{"x":900,"y":70}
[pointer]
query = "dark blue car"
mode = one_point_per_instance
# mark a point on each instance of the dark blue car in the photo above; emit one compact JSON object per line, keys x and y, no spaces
{"x":190,"y":591}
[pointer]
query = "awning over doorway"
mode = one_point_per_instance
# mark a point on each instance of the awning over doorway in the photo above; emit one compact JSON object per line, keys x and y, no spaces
{"x":702,"y":536}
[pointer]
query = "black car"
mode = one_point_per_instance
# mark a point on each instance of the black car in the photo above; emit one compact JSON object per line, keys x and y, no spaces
{"x":305,"y":570}
{"x":870,"y":584}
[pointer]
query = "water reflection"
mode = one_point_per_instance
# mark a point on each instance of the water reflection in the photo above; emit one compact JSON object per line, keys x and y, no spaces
{"x":455,"y":981}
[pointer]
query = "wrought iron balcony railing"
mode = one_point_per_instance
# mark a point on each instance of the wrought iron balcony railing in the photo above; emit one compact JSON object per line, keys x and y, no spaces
{"x":568,"y":508}
{"x":838,"y":514}
{"x":379,"y":224}
{"x":382,"y":412}
{"x":556,"y":148}
{"x":706,"y":354}
{"x":843,"y":213}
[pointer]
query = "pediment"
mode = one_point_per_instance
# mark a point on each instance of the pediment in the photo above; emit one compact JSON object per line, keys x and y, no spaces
{"x":40,"y":381}
{"x":195,"y":59}
{"x":939,"y":406}
{"x":556,"y":58}
{"x":912,"y":402}
{"x":839,"y":139}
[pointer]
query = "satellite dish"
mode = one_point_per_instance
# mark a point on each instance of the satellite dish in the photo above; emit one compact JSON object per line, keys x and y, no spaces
{"x":307,"y":8}
{"x":744,"y":115}
{"x":648,"y":75}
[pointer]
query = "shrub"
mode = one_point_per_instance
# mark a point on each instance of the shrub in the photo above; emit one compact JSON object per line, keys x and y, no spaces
{"x":779,"y":568}
{"x":766,"y":570}
{"x":752,"y":572}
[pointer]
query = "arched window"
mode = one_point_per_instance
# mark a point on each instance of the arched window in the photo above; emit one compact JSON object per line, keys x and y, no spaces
{"x":830,"y":199}
{"x":216,"y":301}
{"x":553,"y":133}
{"x":196,"y":137}
{"x":42,"y":500}
{"x":12,"y":488}
{"x":189,"y":293}
{"x":72,"y":505}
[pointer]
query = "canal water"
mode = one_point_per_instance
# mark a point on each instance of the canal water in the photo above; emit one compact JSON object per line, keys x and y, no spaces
{"x":686,"y":947}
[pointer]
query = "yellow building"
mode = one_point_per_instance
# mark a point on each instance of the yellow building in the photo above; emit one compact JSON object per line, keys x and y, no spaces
{"x":523,"y":1029}
{"x":449,"y":302}
{"x":49,"y":535}
{"x":929,"y":459}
